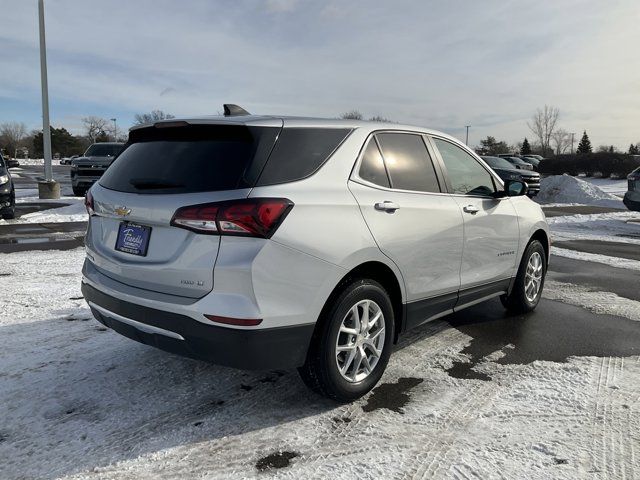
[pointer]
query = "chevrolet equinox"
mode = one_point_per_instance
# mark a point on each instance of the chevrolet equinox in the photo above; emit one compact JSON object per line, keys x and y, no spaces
{"x":263,"y":242}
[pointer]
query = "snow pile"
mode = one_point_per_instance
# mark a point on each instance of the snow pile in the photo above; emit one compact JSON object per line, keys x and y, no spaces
{"x":568,"y":189}
{"x":75,"y":212}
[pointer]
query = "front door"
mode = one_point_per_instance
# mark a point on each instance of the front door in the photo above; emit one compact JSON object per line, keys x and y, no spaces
{"x":491,"y":231}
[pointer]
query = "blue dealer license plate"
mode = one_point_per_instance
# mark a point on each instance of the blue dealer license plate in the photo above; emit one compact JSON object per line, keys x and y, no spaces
{"x":133,"y":238}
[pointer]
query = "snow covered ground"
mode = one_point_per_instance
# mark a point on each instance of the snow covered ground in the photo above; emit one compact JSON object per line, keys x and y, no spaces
{"x":79,"y":401}
{"x":609,"y":227}
{"x":614,"y":186}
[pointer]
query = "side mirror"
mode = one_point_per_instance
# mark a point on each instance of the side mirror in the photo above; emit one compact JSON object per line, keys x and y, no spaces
{"x":515,"y":188}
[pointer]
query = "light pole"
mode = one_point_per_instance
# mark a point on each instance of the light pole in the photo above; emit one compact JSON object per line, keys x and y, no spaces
{"x":47,"y":188}
{"x":572,"y":134}
{"x":466,"y":141}
{"x":115,"y":130}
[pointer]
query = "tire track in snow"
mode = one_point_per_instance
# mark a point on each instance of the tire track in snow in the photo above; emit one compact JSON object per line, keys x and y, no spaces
{"x":610,"y":428}
{"x":476,"y":396}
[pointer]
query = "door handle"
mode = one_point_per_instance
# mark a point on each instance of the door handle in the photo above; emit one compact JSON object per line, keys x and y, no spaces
{"x":472,"y":209}
{"x":387,"y":206}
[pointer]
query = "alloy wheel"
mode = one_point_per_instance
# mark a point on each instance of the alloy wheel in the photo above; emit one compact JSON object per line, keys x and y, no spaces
{"x":360,"y":341}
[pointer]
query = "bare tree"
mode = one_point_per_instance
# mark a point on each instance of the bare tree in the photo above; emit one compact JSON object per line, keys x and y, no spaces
{"x":151,"y":117}
{"x":95,"y":127}
{"x":11,"y":134}
{"x":543,"y":124}
{"x":561,"y":140}
{"x":352,"y":115}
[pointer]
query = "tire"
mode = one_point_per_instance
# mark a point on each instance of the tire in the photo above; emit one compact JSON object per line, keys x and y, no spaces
{"x":10,"y":213}
{"x":322,"y":370}
{"x":521,"y":300}
{"x":79,"y":191}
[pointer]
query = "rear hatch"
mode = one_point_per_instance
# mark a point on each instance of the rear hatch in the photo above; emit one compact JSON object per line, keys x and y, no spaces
{"x":164,"y":168}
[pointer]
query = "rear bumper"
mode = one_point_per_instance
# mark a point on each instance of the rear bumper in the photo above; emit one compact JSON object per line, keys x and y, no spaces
{"x":255,"y":349}
{"x":82,"y":180}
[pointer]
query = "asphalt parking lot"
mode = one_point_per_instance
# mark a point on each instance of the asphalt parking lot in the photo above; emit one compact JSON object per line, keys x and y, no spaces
{"x":477,"y":394}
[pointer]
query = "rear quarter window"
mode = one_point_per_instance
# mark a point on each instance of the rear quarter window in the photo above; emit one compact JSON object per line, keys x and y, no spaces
{"x":300,"y":152}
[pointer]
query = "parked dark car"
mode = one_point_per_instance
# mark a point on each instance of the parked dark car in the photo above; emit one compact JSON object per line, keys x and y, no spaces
{"x":7,"y":192}
{"x":516,"y":162}
{"x":532,"y":160}
{"x":68,"y":160}
{"x":11,"y":162}
{"x":632,"y":197}
{"x":507,"y":171}
{"x":86,"y":170}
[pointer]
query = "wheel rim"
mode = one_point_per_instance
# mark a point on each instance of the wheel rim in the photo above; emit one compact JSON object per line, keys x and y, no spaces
{"x":360,"y":341}
{"x":533,"y":277}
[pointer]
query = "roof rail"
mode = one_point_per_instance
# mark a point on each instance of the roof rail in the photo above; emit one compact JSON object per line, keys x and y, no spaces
{"x":231,"y":110}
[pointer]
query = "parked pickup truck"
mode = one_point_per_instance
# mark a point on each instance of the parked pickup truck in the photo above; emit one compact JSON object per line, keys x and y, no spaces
{"x":86,"y":170}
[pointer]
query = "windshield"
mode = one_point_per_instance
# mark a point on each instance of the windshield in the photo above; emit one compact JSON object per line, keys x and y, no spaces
{"x":496,"y":162}
{"x":103,"y":150}
{"x":517,"y":161}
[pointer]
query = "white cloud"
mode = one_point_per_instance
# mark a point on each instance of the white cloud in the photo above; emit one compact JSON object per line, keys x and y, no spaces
{"x":489,"y":64}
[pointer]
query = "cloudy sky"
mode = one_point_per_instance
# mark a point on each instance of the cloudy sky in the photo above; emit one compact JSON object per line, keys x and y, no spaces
{"x":441,"y":64}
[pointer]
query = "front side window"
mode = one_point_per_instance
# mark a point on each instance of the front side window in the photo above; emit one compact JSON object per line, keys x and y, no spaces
{"x":467,"y":176}
{"x":372,"y":166}
{"x":408,"y":162}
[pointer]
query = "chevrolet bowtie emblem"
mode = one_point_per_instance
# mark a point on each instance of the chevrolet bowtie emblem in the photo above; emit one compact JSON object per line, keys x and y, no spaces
{"x":122,"y":211}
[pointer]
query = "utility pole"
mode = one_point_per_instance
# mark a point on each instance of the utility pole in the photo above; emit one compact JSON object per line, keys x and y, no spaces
{"x":115,"y":130}
{"x":466,"y":142}
{"x":572,"y":135}
{"x":47,"y":188}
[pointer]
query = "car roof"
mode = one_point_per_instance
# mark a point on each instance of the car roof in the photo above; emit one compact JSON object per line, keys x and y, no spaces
{"x":107,"y":143}
{"x":293,"y":122}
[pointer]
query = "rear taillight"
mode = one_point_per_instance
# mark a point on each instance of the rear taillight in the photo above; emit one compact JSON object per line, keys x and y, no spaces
{"x":252,"y":217}
{"x":88,"y":203}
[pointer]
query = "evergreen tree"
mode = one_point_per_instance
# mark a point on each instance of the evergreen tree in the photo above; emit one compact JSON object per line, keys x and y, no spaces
{"x":585,"y":144}
{"x":526,"y":148}
{"x":62,"y":142}
{"x":490,"y":146}
{"x":633,"y":149}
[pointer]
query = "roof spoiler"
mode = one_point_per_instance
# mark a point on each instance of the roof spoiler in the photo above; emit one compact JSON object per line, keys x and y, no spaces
{"x":231,"y":110}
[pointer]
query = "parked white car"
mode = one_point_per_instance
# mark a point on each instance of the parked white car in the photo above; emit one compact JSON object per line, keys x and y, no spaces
{"x":263,"y":242}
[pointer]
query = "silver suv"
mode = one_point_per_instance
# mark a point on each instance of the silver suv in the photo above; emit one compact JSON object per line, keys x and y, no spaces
{"x":262,"y":242}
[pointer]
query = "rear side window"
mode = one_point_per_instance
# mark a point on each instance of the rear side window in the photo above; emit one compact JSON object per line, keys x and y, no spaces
{"x":186,"y":159}
{"x":408,"y":162}
{"x":299,"y":152}
{"x":372,"y":166}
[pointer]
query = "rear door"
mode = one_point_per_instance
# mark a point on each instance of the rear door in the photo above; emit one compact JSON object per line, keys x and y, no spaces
{"x":164,"y":168}
{"x":413,"y":222}
{"x":491,"y":231}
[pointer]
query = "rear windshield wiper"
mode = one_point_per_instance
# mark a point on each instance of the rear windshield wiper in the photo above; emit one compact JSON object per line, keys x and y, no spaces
{"x":151,"y":183}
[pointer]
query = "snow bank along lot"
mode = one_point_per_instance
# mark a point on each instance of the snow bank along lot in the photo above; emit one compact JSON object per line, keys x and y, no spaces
{"x":79,"y":401}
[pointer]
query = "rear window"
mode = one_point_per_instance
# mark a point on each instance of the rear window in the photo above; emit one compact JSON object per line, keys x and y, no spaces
{"x":103,"y":150}
{"x":187,"y":159}
{"x":299,"y":152}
